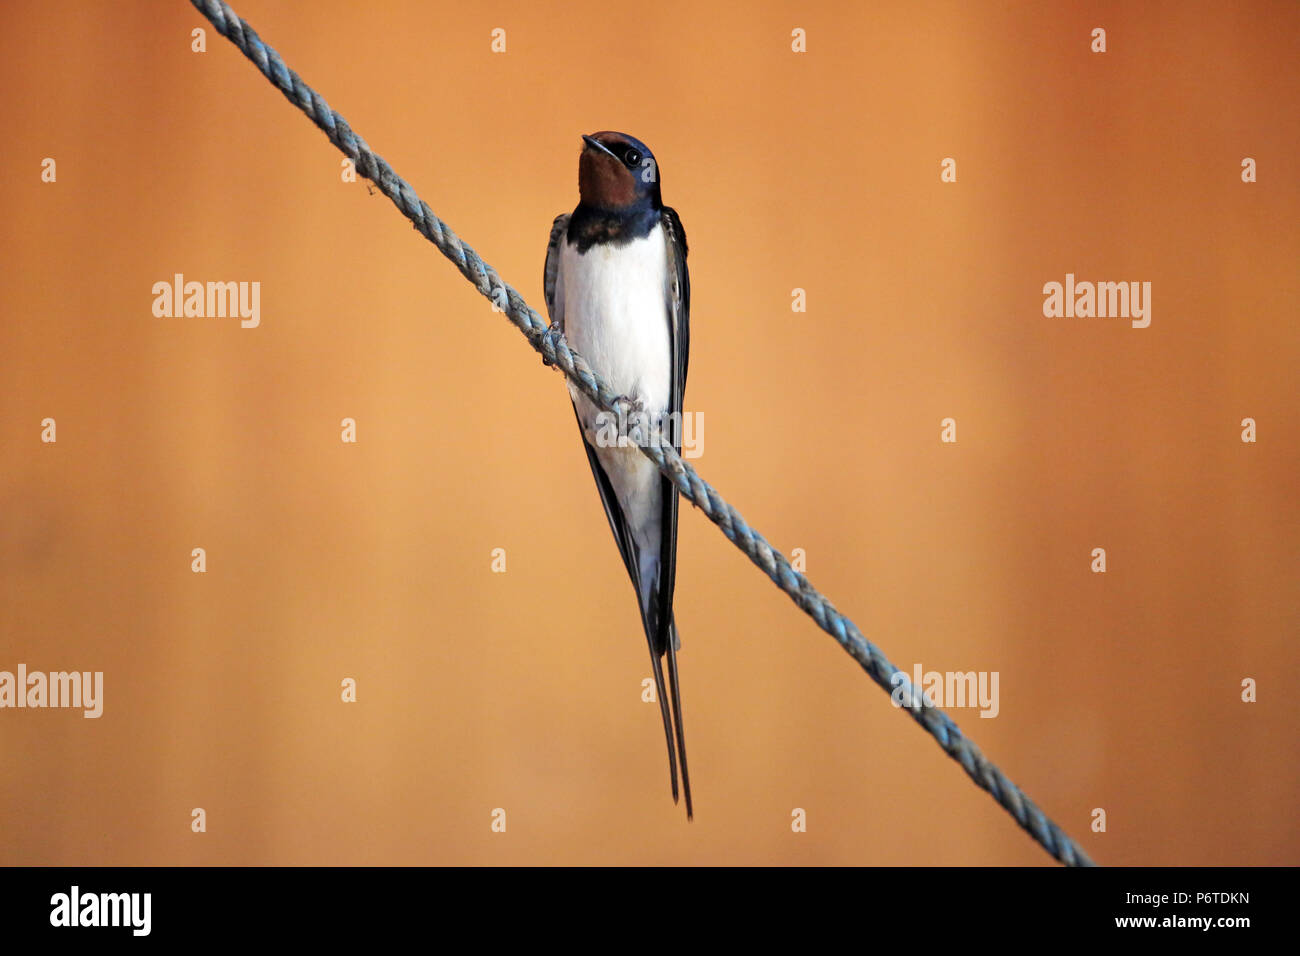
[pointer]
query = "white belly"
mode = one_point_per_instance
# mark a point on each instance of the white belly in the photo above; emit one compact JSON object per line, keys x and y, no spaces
{"x":615,"y":315}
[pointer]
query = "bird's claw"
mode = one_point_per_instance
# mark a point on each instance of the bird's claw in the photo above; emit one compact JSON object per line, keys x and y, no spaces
{"x":550,"y":333}
{"x":635,"y":425}
{"x":631,"y":402}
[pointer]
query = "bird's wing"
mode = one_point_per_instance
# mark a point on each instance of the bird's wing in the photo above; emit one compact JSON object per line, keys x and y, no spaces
{"x":679,"y":302}
{"x":677,"y":297}
{"x":552,"y":288}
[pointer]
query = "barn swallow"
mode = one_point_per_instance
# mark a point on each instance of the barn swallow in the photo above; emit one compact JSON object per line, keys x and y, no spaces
{"x":617,"y":288}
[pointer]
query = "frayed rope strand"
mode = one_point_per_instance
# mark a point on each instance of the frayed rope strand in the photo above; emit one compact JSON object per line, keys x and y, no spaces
{"x":555,"y":350}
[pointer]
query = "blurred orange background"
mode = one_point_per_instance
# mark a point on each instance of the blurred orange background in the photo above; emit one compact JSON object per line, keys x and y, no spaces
{"x":521,"y":690}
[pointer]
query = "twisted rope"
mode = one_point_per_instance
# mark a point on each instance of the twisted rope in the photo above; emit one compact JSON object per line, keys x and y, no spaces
{"x":555,"y":350}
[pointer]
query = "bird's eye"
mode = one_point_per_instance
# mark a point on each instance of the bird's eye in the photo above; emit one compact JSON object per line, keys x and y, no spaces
{"x":632,"y":157}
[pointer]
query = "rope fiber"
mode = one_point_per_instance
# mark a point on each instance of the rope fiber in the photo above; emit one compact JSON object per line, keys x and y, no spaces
{"x":555,"y":351}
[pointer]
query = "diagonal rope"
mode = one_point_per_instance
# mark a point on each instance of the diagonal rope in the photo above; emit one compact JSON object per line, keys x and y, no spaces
{"x":555,"y":350}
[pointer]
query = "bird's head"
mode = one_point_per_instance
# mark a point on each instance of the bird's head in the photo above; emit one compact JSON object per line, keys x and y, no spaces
{"x":616,"y":172}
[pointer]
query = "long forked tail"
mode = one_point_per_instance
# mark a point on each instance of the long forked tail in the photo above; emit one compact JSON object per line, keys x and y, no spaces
{"x":657,"y":663}
{"x":675,"y":687}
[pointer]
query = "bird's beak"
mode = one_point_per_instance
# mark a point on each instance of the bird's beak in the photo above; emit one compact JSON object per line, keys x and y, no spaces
{"x":594,"y":143}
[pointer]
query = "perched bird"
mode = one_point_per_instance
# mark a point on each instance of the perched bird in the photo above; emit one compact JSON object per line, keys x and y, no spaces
{"x":617,"y":287}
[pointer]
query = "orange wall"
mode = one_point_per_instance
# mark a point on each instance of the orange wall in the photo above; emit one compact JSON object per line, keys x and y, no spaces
{"x":522,"y":690}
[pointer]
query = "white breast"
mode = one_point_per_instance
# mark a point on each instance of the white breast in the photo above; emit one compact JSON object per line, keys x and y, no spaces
{"x":615,"y":314}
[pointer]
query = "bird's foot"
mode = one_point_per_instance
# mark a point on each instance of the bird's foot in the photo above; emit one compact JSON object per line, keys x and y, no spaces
{"x":552,"y":332}
{"x":635,"y":423}
{"x":630,"y":403}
